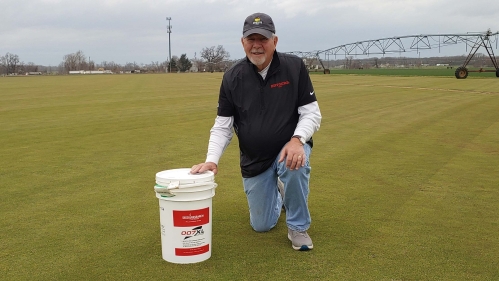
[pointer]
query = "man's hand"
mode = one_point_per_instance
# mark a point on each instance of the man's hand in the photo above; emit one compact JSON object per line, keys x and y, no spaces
{"x":203,"y":167}
{"x":294,"y":154}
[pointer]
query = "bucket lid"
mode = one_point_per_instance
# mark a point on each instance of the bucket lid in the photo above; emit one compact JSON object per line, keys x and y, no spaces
{"x":183,"y":176}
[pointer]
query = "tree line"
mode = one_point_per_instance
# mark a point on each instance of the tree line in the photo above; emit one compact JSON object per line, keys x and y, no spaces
{"x":10,"y":63}
{"x":213,"y":59}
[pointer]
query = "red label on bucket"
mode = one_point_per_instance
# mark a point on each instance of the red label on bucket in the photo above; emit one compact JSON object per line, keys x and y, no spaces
{"x":192,"y":251}
{"x":191,"y":218}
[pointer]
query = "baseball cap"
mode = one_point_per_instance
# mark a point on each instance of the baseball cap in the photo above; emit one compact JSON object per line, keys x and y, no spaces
{"x":258,"y":23}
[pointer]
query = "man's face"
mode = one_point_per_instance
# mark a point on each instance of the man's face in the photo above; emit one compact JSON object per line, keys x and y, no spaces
{"x":259,"y":49}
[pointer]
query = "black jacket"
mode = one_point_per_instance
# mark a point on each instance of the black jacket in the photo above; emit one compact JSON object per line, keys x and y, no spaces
{"x":265,"y":111}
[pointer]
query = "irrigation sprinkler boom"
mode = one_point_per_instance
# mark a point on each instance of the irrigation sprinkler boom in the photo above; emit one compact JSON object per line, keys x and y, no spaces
{"x":414,"y":43}
{"x":482,"y":40}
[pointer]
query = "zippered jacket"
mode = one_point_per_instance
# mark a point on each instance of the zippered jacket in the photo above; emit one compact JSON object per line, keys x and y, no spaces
{"x":265,"y":111}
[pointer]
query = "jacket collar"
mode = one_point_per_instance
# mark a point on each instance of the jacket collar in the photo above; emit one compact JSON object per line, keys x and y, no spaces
{"x":274,"y":65}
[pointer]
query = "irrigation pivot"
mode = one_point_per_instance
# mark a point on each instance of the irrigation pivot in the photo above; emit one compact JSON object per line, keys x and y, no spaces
{"x":413,"y":43}
{"x":481,"y":40}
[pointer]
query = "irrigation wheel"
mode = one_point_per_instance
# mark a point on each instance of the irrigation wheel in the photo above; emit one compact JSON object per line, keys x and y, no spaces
{"x":462,"y":72}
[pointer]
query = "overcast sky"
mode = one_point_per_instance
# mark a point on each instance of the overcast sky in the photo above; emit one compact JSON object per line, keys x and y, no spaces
{"x":43,"y":31}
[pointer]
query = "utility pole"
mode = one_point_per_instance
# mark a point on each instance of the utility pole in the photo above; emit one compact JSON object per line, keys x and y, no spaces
{"x":169,"y":30}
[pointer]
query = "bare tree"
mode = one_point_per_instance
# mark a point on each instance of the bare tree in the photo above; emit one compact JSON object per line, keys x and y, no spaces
{"x":3,"y":65}
{"x":154,"y":67}
{"x":30,"y":67}
{"x":75,"y":61}
{"x":109,"y":65}
{"x":10,"y":63}
{"x":348,"y":62}
{"x":69,"y":62}
{"x":198,"y":64}
{"x":91,"y":64}
{"x":214,"y":57}
{"x":60,"y":68}
{"x":81,"y":60}
{"x":129,"y":66}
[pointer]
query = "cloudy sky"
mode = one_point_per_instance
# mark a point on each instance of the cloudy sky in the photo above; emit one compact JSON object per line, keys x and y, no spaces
{"x":43,"y":31}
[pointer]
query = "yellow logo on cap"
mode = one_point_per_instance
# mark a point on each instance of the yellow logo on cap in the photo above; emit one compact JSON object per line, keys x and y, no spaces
{"x":257,"y":21}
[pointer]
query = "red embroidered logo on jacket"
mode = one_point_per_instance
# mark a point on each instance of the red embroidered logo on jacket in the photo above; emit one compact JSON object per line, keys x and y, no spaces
{"x":279,"y":85}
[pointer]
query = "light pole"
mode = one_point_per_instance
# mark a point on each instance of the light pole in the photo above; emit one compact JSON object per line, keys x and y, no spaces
{"x":169,"y":29}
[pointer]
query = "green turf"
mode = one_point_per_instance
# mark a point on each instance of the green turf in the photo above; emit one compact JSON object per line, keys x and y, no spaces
{"x":404,"y":182}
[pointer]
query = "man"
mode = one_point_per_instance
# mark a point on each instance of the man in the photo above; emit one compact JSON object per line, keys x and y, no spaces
{"x":269,"y":101}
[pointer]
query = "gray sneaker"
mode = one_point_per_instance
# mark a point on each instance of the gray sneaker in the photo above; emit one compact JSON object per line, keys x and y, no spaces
{"x":300,"y":240}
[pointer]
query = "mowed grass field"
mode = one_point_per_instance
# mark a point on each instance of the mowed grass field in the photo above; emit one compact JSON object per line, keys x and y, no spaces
{"x":405,"y":180}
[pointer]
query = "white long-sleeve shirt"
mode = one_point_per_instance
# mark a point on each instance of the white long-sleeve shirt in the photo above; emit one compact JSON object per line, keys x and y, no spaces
{"x":222,"y":131}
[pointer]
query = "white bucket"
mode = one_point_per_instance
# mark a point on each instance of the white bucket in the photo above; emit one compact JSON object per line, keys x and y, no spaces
{"x":185,"y":208}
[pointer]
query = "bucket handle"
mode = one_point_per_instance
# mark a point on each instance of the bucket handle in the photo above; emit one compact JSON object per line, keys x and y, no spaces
{"x":176,"y":185}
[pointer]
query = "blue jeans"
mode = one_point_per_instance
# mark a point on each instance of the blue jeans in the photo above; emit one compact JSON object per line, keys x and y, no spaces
{"x":265,"y":202}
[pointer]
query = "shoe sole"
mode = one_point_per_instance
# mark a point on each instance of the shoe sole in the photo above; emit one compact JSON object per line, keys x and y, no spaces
{"x":302,"y":247}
